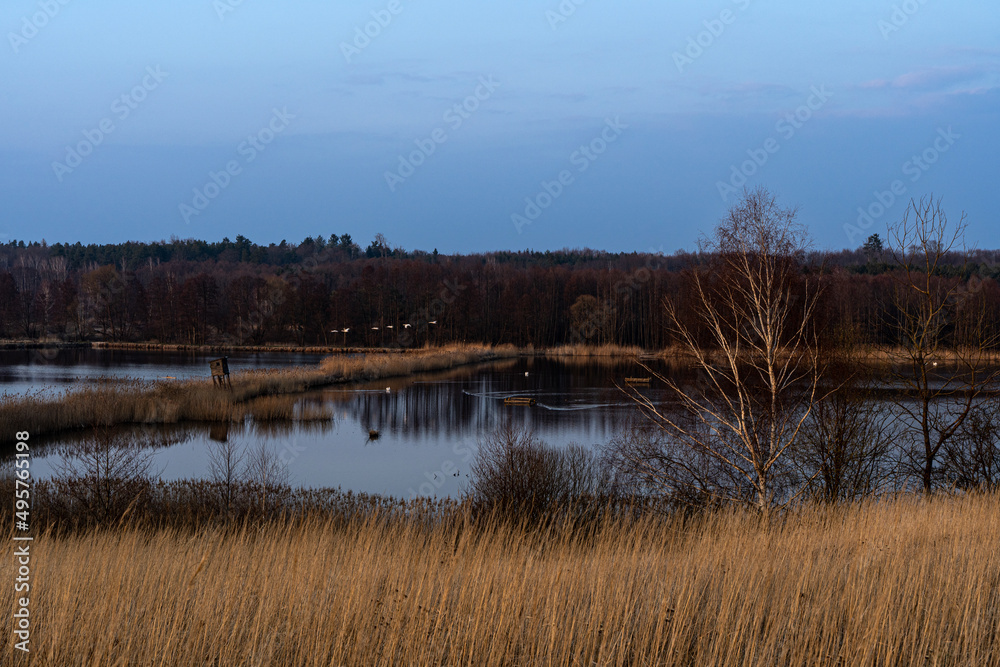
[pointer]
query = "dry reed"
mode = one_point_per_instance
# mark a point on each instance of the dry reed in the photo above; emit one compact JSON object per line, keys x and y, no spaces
{"x":583,"y":350}
{"x":897,"y":582}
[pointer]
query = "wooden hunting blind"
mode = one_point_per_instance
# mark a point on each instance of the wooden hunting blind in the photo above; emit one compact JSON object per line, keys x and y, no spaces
{"x":220,"y":372}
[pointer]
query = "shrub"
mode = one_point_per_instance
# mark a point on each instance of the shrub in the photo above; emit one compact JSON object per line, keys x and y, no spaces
{"x":517,"y":476}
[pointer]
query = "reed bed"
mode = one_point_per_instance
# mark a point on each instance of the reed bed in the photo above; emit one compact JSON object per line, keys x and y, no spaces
{"x":883,"y":357}
{"x":618,"y":356}
{"x":583,"y":350}
{"x":113,"y":402}
{"x":224,"y":349}
{"x":902,"y":581}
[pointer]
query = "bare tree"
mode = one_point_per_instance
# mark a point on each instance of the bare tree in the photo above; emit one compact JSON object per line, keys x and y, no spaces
{"x":105,"y":473}
{"x":225,"y":466}
{"x":265,"y":473}
{"x":647,"y":460}
{"x":846,"y":449}
{"x":941,"y":368}
{"x":756,"y":357}
{"x":972,"y":458}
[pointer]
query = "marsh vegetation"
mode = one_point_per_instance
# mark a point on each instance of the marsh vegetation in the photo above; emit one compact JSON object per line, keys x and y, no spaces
{"x":906,"y":580}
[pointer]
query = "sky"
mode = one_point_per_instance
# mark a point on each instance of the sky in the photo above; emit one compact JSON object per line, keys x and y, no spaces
{"x":466,"y":127}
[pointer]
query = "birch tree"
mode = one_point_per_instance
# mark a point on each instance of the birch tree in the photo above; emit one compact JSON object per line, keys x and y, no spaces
{"x":755,"y":353}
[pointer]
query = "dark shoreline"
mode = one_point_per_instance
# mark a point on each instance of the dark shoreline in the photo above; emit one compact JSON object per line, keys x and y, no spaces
{"x":174,"y":347}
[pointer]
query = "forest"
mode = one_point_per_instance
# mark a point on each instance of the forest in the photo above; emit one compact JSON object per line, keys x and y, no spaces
{"x":331,"y":292}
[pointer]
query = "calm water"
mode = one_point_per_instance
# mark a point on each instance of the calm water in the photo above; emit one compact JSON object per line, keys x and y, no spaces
{"x":429,"y":426}
{"x":57,"y":370}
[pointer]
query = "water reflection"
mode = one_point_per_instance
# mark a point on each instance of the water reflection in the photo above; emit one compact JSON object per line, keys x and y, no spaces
{"x":429,"y":427}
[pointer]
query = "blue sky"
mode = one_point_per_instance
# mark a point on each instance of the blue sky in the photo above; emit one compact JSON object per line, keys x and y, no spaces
{"x":619,"y":126}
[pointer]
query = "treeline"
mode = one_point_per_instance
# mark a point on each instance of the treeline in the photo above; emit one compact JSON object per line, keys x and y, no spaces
{"x":238,"y":292}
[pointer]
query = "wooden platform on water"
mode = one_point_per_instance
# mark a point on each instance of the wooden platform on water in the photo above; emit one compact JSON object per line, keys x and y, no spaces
{"x":638,"y":380}
{"x":518,"y":400}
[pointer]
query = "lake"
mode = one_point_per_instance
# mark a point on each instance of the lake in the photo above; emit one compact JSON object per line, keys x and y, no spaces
{"x":430,"y":425}
{"x":56,"y":370}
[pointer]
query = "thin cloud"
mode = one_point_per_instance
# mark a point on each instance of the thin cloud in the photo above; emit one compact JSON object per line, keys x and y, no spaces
{"x":933,"y":79}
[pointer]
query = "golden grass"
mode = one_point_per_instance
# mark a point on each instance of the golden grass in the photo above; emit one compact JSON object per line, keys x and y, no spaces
{"x":889,"y":356}
{"x":114,"y":402}
{"x":897,"y":582}
{"x":581,"y":355}
{"x":582,"y":350}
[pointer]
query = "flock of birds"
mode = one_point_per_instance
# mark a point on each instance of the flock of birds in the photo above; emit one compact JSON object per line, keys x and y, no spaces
{"x":388,"y":326}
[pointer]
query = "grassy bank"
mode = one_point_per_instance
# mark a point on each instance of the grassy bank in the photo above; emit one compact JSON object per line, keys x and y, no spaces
{"x":140,"y":402}
{"x":276,"y":348}
{"x":581,"y":350}
{"x":897,"y":582}
{"x":273,"y":348}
